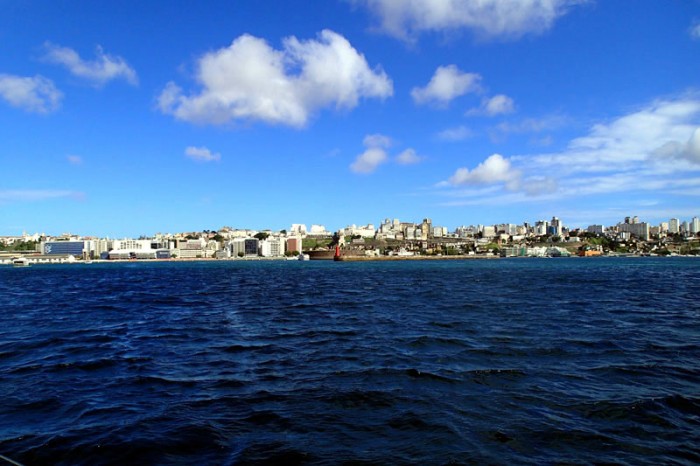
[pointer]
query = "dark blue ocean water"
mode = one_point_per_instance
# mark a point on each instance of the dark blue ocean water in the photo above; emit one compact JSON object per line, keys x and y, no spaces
{"x":536,"y":361}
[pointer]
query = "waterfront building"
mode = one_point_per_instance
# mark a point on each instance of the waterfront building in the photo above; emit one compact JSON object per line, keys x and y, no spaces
{"x":272,"y":247}
{"x":63,"y":248}
{"x":251,"y":246}
{"x":195,"y":248}
{"x":695,"y":225}
{"x":236,"y":247}
{"x":132,"y":244}
{"x":294,"y":243}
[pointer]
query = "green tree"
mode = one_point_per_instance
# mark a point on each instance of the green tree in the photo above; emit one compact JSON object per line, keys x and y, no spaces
{"x":261,"y":236}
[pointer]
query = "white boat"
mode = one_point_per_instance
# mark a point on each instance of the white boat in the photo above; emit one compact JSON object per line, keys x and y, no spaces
{"x":21,"y":262}
{"x":304,"y":257}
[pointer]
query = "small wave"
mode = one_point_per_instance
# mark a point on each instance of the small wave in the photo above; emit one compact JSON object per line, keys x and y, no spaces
{"x":492,"y":377}
{"x":155,"y":380}
{"x":242,"y":348}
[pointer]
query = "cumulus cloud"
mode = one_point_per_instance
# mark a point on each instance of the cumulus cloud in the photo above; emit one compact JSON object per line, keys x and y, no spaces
{"x":369,"y":160}
{"x":99,"y":71}
{"x":32,"y":94}
{"x":374,"y":155}
{"x":408,"y":157}
{"x":495,"y":169}
{"x":447,"y":83}
{"x":497,"y":105}
{"x":509,"y":19}
{"x":458,"y":133}
{"x":202,"y":154}
{"x":249,"y":80}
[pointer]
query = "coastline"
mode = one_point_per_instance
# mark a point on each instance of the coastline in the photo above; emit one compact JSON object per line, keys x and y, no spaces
{"x":350,"y":258}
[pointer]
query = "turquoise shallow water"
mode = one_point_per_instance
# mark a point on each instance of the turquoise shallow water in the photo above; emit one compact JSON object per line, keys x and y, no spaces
{"x":535,"y":361}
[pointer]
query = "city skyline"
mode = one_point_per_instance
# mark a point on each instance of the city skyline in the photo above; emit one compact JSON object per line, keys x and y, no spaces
{"x":122,"y":120}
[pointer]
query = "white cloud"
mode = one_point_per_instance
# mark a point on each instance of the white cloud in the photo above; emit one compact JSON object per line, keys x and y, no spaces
{"x":458,"y":133}
{"x":99,"y":71}
{"x":249,"y":80}
{"x":30,"y":195}
{"x":74,"y":159}
{"x":497,"y":105}
{"x":695,"y":30}
{"x":202,"y":154}
{"x":369,"y":160}
{"x":447,"y":83}
{"x":408,"y":157}
{"x":373,"y":156}
{"x":377,"y":140}
{"x":631,"y":141}
{"x":533,"y":125}
{"x":32,"y":94}
{"x":654,"y":149}
{"x":405,"y":19}
{"x":676,"y":150}
{"x":495,"y":169}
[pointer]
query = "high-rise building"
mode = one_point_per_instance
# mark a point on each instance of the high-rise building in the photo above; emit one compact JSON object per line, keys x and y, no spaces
{"x":555,"y":226}
{"x":640,"y":230}
{"x":695,"y":225}
{"x":674,"y":225}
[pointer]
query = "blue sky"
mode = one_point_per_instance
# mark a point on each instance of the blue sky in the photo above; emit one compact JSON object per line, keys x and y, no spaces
{"x":135,"y":117}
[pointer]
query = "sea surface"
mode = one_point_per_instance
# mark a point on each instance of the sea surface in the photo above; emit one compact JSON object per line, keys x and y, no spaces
{"x":511,"y":361}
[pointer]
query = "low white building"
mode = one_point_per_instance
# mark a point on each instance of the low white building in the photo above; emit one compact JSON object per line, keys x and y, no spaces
{"x":366,"y":231}
{"x":272,"y":247}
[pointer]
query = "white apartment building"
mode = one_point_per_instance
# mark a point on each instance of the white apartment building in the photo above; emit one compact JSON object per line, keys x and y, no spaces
{"x":541,"y":228}
{"x":439,"y":232}
{"x":272,"y":247}
{"x":366,"y":231}
{"x":488,"y":231}
{"x":640,"y":230}
{"x":674,"y":225}
{"x":695,"y":225}
{"x":131,"y":244}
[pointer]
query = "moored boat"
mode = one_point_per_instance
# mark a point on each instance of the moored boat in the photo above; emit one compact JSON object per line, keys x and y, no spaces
{"x":20,"y":262}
